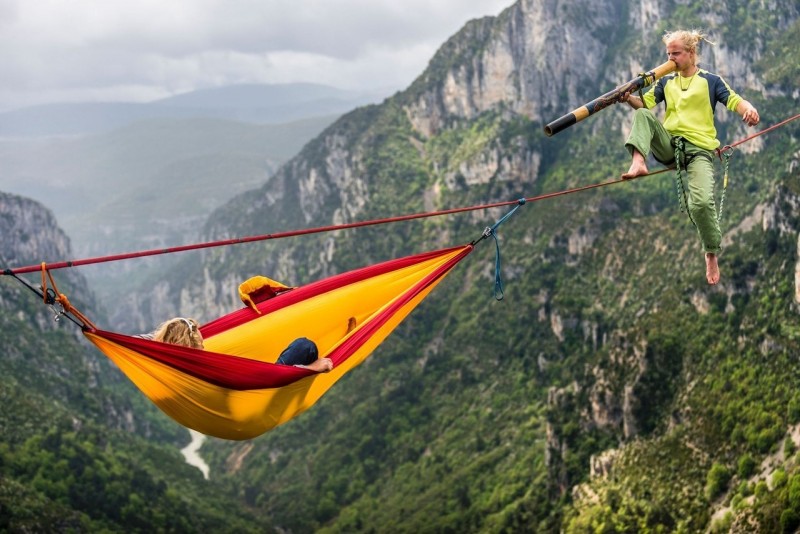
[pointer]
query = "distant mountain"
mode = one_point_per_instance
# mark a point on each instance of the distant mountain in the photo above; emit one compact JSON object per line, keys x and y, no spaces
{"x":149,"y":183}
{"x":247,"y":103}
{"x":253,"y":96}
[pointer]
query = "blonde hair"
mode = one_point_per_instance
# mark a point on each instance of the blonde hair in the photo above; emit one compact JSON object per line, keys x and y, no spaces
{"x":689,"y":39}
{"x":180,"y":331}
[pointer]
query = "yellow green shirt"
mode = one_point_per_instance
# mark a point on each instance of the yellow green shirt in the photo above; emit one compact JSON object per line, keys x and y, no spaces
{"x":690,"y":104}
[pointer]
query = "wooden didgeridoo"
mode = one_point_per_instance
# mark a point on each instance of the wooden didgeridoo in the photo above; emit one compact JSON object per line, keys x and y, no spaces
{"x":608,"y":99}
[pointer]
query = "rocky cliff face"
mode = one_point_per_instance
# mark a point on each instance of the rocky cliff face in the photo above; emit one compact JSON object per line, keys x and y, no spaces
{"x":29,"y":234}
{"x":531,"y":60}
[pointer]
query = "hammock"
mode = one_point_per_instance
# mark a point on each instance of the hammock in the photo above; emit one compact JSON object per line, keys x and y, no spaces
{"x":233,"y":389}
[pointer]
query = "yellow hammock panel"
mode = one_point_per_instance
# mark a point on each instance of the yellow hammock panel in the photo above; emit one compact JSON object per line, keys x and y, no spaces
{"x":234,"y":390}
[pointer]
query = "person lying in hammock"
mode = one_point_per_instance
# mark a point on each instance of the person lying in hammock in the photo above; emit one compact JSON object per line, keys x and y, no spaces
{"x":302,"y":352}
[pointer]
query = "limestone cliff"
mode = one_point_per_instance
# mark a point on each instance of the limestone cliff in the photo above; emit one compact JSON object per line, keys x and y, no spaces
{"x":531,"y":60}
{"x":29,"y":235}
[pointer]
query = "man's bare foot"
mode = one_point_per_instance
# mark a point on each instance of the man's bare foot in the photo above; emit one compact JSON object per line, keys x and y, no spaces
{"x":637,"y":169}
{"x":712,"y":269}
{"x":638,"y":166}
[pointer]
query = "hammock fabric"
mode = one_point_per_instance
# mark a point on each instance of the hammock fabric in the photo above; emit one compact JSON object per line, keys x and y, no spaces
{"x":234,"y":390}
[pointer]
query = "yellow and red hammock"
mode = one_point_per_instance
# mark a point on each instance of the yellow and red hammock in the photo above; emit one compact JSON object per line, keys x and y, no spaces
{"x":233,"y":389}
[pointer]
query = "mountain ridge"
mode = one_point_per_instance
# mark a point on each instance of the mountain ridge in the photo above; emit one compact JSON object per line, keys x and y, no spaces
{"x":250,"y":103}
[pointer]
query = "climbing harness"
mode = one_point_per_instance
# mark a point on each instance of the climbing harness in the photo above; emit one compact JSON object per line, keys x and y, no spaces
{"x":682,"y":162}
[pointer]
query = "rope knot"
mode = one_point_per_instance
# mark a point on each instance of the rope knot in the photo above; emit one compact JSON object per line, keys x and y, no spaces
{"x":65,"y":303}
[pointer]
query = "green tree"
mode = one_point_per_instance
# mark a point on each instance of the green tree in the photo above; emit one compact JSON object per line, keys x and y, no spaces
{"x":717,"y":480}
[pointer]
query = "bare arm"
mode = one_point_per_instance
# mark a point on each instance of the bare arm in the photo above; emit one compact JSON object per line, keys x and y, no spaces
{"x":748,"y":113}
{"x":633,"y":101}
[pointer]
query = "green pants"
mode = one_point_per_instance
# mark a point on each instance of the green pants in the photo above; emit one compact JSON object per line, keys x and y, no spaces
{"x":647,"y":134}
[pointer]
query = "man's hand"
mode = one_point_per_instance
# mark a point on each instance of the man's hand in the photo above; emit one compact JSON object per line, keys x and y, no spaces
{"x":323,"y":365}
{"x":748,"y":112}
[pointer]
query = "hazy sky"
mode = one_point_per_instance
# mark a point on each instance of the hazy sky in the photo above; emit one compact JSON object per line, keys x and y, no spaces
{"x":141,"y":50}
